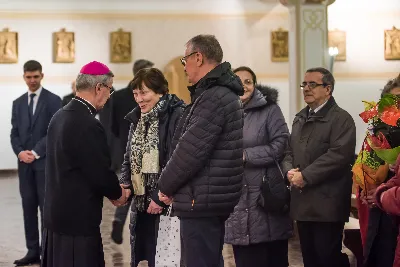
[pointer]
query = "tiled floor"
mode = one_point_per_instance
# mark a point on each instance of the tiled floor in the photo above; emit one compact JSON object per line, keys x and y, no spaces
{"x":12,"y":245}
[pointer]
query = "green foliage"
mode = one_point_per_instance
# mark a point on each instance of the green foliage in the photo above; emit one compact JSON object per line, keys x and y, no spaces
{"x":387,"y":101}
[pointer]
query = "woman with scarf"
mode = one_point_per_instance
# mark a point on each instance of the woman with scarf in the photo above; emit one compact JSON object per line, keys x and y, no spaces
{"x":148,"y":148}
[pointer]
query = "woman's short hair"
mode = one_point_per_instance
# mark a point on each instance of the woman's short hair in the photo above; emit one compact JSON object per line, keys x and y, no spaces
{"x":153,"y":78}
{"x":390,"y":85}
{"x":244,"y":68}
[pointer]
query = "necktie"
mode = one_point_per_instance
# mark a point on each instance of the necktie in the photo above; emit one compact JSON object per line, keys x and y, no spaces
{"x":32,"y":96}
{"x":310,"y":113}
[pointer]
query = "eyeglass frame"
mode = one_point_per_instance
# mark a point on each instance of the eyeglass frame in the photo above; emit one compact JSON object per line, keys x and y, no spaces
{"x":109,"y":88}
{"x":183,"y":60}
{"x":314,"y":85}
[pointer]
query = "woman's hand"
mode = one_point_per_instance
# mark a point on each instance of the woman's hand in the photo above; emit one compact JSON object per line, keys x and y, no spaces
{"x":154,"y":208}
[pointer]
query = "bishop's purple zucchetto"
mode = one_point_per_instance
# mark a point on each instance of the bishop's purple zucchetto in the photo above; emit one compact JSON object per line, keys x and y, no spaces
{"x":95,"y":68}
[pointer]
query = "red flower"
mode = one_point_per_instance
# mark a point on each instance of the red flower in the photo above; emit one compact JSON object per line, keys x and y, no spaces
{"x":379,"y":142}
{"x":369,"y":114}
{"x":390,"y":115}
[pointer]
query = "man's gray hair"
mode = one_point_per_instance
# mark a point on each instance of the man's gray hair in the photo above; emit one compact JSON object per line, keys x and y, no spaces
{"x":86,"y":81}
{"x":208,"y":46}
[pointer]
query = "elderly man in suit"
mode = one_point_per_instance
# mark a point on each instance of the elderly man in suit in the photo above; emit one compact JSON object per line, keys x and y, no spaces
{"x":31,"y":114}
{"x":318,"y":165}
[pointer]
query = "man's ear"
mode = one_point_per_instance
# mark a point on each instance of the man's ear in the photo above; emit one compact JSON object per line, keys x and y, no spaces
{"x":199,"y":59}
{"x":329,"y":89}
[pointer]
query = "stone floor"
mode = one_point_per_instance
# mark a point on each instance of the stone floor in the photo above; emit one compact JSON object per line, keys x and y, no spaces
{"x":12,"y":245}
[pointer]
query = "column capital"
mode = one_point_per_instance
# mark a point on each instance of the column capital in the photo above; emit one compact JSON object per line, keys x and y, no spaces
{"x":306,"y":2}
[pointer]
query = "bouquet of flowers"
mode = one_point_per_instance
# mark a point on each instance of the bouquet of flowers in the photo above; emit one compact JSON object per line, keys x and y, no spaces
{"x":379,"y":149}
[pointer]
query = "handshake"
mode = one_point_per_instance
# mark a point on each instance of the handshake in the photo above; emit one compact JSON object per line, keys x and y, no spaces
{"x":122,"y":201}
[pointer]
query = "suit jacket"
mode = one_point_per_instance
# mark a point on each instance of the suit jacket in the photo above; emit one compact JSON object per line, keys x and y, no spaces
{"x":66,"y":99}
{"x":122,"y":102}
{"x":78,"y":173}
{"x":30,"y":133}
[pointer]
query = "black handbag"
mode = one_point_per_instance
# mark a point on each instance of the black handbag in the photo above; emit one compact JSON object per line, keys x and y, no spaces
{"x":275,"y":199}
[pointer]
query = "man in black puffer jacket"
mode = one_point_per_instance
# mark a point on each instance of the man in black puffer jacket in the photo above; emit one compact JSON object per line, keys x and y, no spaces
{"x":204,"y":174}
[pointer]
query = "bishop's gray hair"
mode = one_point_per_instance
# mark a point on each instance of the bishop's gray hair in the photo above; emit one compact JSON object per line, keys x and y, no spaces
{"x":86,"y":82}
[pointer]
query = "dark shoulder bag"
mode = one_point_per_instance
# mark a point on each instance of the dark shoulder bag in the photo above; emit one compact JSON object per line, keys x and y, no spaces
{"x":277,"y":199}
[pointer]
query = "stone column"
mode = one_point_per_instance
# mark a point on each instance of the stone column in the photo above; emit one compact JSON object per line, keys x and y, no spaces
{"x":308,"y":44}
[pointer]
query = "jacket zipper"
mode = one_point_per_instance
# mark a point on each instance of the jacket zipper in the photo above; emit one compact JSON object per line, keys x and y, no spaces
{"x":192,"y":195}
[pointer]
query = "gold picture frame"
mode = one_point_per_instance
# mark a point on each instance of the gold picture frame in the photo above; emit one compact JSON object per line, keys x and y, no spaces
{"x":280,"y":45}
{"x":392,"y":44}
{"x":63,"y":47}
{"x":120,"y":46}
{"x":337,"y":39}
{"x":8,"y":47}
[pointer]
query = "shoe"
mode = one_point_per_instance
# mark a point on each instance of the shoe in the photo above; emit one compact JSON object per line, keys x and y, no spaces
{"x":29,"y":259}
{"x":116,"y":233}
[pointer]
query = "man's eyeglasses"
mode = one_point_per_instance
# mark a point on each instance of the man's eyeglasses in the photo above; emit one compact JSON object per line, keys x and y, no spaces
{"x":109,"y":88}
{"x":312,"y":85}
{"x":183,"y":60}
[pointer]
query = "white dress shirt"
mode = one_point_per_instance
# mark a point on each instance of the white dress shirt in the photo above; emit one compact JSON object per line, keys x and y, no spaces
{"x":35,"y":99}
{"x":319,"y":108}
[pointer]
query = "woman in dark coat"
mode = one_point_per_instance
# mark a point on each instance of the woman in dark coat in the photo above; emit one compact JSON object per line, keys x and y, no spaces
{"x":153,"y":124}
{"x":260,"y":238}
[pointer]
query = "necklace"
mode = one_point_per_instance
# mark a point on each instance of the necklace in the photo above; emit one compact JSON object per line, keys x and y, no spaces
{"x":91,"y":113}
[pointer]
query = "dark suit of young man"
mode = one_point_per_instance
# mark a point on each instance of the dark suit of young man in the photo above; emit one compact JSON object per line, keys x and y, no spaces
{"x":31,"y":115}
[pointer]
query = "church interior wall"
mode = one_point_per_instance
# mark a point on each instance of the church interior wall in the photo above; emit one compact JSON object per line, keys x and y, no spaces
{"x":160,"y":36}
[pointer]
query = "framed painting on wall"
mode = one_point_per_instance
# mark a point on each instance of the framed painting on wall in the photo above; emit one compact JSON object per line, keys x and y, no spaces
{"x":120,"y":47}
{"x":63,"y":47}
{"x":8,"y":47}
{"x":392,"y":44}
{"x":280,"y":46}
{"x":337,"y":39}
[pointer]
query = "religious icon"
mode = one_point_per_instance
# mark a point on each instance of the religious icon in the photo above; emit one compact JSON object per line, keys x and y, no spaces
{"x":8,"y":46}
{"x":279,"y":46}
{"x":120,"y":47}
{"x":392,"y":44}
{"x":337,"y":39}
{"x":63,"y":47}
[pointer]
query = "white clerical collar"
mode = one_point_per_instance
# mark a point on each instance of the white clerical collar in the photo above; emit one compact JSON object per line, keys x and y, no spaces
{"x":37,"y":92}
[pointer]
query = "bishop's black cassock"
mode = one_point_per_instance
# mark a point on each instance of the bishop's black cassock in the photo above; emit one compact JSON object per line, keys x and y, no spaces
{"x":78,"y":176}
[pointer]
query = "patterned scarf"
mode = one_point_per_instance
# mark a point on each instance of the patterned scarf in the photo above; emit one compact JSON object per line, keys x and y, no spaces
{"x":145,"y":167}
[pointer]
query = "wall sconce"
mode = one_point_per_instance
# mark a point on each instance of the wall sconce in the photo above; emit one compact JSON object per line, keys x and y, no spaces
{"x":333,"y":52}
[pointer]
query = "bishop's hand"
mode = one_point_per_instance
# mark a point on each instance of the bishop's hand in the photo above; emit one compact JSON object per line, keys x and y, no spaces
{"x":125,"y":193}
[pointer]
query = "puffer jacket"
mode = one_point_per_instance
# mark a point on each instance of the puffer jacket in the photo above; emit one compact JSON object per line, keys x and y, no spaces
{"x":204,"y":174}
{"x":265,"y":135}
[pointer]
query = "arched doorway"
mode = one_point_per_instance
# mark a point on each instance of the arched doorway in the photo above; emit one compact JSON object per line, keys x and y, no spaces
{"x":177,"y":81}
